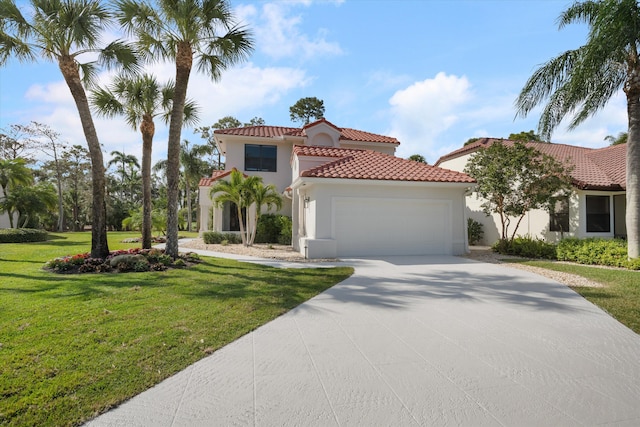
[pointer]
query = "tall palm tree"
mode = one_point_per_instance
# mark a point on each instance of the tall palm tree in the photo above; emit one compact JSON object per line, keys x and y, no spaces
{"x":140,"y":99}
{"x":581,"y":81}
{"x":61,"y":31}
{"x":181,"y":31}
{"x":13,"y":173}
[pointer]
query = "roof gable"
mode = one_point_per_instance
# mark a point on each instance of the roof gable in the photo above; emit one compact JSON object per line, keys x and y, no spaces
{"x":346,"y":134}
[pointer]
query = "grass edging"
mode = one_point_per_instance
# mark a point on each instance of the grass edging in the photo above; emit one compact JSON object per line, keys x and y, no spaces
{"x":620,"y":297}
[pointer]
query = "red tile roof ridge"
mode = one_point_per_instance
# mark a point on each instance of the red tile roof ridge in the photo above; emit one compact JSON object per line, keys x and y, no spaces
{"x":265,"y":131}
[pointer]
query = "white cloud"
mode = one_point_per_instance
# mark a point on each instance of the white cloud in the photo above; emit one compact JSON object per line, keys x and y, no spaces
{"x":241,"y":91}
{"x":426,"y":109}
{"x":279,"y":32}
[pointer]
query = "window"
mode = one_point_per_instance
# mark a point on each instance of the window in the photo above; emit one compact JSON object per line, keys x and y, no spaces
{"x":260,"y":158}
{"x":559,"y":216}
{"x":598,"y":214}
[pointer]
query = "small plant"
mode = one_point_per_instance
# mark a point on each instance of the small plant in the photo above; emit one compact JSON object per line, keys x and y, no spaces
{"x":474,"y":231}
{"x":224,"y":242}
{"x":179,"y":263}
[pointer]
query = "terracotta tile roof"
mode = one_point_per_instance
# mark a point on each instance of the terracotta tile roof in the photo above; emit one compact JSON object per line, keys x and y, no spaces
{"x":346,"y":134}
{"x":215,"y":176}
{"x":261,"y":131}
{"x":373,"y":165}
{"x":358,"y":135}
{"x":593,"y":169}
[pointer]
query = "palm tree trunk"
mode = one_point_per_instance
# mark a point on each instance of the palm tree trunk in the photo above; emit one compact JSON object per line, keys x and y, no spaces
{"x":147,"y":128}
{"x":99,"y":244}
{"x":184,"y":60}
{"x":187,"y":189}
{"x":632,"y":91}
{"x":59,"y":185}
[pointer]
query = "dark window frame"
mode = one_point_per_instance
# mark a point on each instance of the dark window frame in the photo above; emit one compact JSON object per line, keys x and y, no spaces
{"x":264,"y":158}
{"x":559,"y":216}
{"x":598,"y":213}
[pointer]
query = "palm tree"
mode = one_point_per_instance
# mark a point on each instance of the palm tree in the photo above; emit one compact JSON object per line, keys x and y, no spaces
{"x":579,"y":82}
{"x":61,"y":31}
{"x":13,"y":173}
{"x":238,"y":191}
{"x":123,"y":162}
{"x":180,"y":31}
{"x":140,"y":99}
{"x":263,"y":195}
{"x":193,"y":168}
{"x":621,"y":138}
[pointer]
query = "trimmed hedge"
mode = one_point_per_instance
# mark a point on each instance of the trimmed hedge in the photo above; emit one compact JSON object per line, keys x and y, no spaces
{"x":526,"y":247}
{"x":216,"y":238}
{"x":610,"y":252}
{"x":22,"y":235}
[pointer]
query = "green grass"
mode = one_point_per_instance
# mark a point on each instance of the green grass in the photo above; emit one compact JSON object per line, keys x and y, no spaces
{"x":620,"y":297}
{"x":72,"y":346}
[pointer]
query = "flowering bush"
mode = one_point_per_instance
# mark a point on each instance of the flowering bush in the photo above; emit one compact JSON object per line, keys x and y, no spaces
{"x":154,"y":260}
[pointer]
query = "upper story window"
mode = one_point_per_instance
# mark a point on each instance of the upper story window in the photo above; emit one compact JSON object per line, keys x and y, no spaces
{"x":559,"y":216}
{"x":261,"y":158}
{"x":598,"y":214}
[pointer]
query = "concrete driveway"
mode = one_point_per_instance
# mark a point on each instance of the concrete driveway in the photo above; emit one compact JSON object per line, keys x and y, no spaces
{"x":414,"y":341}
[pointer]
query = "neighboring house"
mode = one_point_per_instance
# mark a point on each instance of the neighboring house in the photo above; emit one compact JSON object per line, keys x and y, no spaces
{"x":596,"y":207}
{"x":346,"y":192}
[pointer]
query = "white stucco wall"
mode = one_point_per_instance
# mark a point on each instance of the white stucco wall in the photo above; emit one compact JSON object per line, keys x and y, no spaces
{"x":323,"y":196}
{"x":536,"y":222}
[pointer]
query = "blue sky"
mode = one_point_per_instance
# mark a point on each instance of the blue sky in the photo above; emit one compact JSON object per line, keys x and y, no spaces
{"x":430,"y":73}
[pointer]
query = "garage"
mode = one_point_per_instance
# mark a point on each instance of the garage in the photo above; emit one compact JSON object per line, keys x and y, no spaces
{"x":370,"y":226}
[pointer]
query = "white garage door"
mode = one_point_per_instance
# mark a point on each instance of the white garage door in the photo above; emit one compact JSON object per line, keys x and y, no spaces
{"x":385,"y":226}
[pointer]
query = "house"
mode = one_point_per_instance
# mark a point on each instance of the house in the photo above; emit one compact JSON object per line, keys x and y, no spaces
{"x":596,"y":207}
{"x":346,"y":192}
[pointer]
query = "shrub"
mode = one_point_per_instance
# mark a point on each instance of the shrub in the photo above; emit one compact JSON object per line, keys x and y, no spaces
{"x":610,"y":252}
{"x":274,"y":229}
{"x":123,"y":260}
{"x":474,"y":231}
{"x":526,"y":247}
{"x":285,"y":230}
{"x":216,"y":238}
{"x":22,"y":235}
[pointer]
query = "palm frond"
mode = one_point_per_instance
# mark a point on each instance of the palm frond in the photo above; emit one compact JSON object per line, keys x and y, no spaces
{"x":579,"y":12}
{"x":121,"y":55}
{"x":88,"y":72}
{"x":105,"y":103}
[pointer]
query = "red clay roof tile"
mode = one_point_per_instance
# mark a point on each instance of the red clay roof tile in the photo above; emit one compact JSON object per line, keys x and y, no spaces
{"x":593,"y":169}
{"x":373,"y":165}
{"x":346,"y":134}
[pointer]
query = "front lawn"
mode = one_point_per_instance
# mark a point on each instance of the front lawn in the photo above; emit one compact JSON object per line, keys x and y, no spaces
{"x":72,"y":346}
{"x":620,"y":297}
